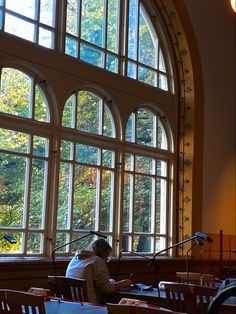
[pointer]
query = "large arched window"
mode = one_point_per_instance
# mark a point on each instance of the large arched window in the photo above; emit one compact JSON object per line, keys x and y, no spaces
{"x":104,"y":159}
{"x":24,"y":164}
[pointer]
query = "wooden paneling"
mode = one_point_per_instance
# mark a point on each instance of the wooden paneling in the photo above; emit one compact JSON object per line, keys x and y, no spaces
{"x":26,"y":273}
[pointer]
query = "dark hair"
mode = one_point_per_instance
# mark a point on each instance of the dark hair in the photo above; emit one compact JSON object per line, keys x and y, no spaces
{"x":101,"y":247}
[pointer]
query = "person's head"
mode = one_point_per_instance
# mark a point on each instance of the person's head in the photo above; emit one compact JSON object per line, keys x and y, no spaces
{"x":101,"y":248}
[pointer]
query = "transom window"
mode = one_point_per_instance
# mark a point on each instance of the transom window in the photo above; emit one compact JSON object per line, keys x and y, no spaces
{"x":145,"y":128}
{"x":87,"y":112}
{"x":123,"y":41}
{"x":33,"y":20}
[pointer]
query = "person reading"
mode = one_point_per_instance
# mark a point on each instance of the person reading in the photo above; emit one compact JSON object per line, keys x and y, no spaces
{"x":91,"y":264}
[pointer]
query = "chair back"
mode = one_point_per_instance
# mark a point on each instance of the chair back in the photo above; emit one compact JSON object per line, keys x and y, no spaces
{"x":4,"y":308}
{"x":189,"y":298}
{"x":179,"y":297}
{"x":21,"y":302}
{"x":136,"y":309}
{"x":68,"y":288}
{"x":203,"y":296}
{"x":196,"y":278}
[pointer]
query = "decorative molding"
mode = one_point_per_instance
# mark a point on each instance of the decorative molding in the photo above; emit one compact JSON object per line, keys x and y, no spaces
{"x":186,"y":117}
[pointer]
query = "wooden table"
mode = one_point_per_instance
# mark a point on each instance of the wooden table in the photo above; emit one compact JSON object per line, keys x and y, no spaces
{"x":65,"y":307}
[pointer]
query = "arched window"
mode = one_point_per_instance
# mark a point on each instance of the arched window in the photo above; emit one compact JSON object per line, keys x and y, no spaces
{"x":22,"y":96}
{"x":24,"y":164}
{"x":87,"y":168}
{"x":87,"y":112}
{"x":29,"y":19}
{"x":147,"y":180}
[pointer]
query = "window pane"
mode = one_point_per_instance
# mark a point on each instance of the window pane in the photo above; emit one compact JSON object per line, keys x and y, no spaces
{"x":87,"y":154}
{"x":35,"y":243}
{"x":161,"y":206}
{"x":72,"y":17}
{"x":40,"y":146}
{"x":64,"y":196}
{"x":108,"y":158}
{"x":92,"y":22}
{"x":37,"y":194}
{"x":147,"y":76}
{"x":91,"y":55}
{"x":46,"y":38}
{"x":81,"y":244}
{"x":161,"y":168}
{"x":12,"y":197}
{"x":160,"y":244}
{"x":132,"y":35}
{"x":162,"y":138}
{"x":112,"y":63}
{"x":47,"y":12}
{"x":17,"y":27}
{"x":147,"y":49}
{"x":144,"y":164}
{"x":128,"y":201}
{"x":129,"y":162}
{"x":142,"y":244}
{"x":143,"y":204}
{"x":88,"y":112}
{"x":11,"y":248}
{"x":67,"y":150}
{"x":15,"y":93}
{"x":145,"y":127}
{"x":162,"y":66}
{"x":14,"y":141}
{"x":26,"y":7}
{"x":1,"y":19}
{"x":163,"y":84}
{"x":62,"y":238}
{"x":132,"y":70}
{"x":41,"y":107}
{"x":85,"y":191}
{"x":68,"y":118}
{"x":108,"y":125}
{"x":130,"y":129}
{"x":71,"y":47}
{"x":106,"y":201}
{"x":113,"y":25}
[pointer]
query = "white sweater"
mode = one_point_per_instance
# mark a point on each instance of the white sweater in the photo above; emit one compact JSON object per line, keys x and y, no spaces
{"x":86,"y":265}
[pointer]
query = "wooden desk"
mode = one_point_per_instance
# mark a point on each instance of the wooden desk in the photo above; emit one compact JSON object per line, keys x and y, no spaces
{"x":65,"y":307}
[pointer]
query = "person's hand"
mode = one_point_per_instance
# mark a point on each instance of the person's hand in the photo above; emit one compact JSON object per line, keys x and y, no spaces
{"x":125,"y":283}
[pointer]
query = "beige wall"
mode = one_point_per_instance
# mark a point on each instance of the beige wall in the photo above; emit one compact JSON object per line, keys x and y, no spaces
{"x":214,"y":27}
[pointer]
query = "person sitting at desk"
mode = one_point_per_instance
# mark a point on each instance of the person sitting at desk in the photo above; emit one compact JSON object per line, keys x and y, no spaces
{"x":90,"y":264}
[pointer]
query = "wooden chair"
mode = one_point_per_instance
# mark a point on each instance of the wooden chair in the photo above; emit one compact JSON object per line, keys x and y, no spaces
{"x":179,"y":297}
{"x":4,"y":308}
{"x":21,"y":302}
{"x":202,"y":297}
{"x":189,"y":298}
{"x":135,"y":309}
{"x":68,"y":288}
{"x":196,"y":278}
